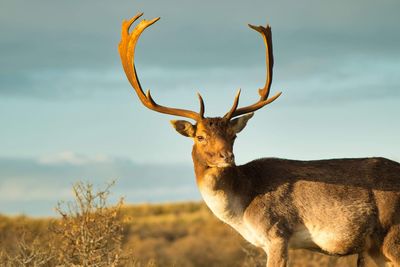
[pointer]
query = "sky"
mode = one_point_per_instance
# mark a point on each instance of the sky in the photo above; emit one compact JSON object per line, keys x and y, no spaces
{"x":67,"y":112}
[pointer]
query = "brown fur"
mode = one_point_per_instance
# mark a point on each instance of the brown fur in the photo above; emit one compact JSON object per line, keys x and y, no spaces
{"x":337,"y":206}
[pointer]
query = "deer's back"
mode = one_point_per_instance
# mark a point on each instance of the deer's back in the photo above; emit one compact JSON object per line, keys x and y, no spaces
{"x":369,"y":173}
{"x":331,"y":205}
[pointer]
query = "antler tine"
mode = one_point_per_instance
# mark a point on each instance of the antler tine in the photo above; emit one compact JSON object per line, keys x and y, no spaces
{"x":201,"y":113}
{"x":267,"y":37}
{"x":264,"y":92}
{"x":229,"y":115}
{"x":126,"y":51}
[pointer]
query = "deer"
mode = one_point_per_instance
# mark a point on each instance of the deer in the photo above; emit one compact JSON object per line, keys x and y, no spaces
{"x":334,"y":206}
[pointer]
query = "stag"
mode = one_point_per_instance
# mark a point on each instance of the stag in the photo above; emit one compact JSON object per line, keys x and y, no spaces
{"x":336,"y":206}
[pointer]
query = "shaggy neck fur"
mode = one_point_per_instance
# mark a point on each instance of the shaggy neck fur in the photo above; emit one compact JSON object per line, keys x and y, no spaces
{"x":219,"y":187}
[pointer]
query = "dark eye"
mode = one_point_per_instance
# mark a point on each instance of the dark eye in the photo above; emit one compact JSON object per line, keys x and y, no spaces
{"x":200,"y":138}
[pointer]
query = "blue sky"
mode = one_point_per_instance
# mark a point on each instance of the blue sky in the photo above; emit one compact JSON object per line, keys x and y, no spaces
{"x":67,"y":112}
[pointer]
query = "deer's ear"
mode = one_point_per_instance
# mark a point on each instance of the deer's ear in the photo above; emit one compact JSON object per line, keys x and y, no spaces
{"x":238,"y":124}
{"x":185,"y":128}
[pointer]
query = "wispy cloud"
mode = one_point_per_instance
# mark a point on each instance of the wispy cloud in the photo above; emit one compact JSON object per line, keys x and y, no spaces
{"x":60,"y":83}
{"x":71,"y":158}
{"x":349,"y":79}
{"x":25,"y":191}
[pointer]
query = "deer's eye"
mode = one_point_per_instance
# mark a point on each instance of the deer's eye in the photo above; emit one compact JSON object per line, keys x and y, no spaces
{"x":200,"y":138}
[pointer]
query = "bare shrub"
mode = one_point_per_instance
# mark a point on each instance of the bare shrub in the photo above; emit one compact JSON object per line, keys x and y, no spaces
{"x":90,"y":232}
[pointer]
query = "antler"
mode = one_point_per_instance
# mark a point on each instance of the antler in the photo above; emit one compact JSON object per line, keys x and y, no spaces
{"x":126,"y":51}
{"x":264,"y":92}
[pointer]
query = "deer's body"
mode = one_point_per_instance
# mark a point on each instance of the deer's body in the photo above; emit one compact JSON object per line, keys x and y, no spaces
{"x":338,"y":207}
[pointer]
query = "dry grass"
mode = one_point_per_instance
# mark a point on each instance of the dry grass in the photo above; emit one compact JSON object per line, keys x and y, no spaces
{"x":90,"y":232}
{"x":33,"y":253}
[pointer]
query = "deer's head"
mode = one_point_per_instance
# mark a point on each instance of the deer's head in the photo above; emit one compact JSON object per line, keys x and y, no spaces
{"x":213,"y":137}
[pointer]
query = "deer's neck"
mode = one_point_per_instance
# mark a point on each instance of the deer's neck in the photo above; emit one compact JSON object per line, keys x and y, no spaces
{"x":218,"y":189}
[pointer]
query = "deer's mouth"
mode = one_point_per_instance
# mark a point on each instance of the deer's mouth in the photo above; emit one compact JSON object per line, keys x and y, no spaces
{"x":222,"y":164}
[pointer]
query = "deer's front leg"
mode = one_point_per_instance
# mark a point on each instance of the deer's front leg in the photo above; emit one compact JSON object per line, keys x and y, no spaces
{"x":277,"y":253}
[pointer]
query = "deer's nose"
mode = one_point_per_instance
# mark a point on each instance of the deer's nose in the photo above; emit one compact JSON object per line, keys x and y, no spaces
{"x":227,"y":156}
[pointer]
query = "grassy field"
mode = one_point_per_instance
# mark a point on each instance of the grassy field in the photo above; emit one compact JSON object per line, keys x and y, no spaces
{"x":91,"y":233}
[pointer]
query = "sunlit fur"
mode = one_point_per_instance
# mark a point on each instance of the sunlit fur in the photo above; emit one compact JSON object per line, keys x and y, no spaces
{"x":216,"y":143}
{"x":337,"y":207}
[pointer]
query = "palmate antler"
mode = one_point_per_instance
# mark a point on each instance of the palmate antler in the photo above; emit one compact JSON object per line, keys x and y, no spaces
{"x":126,"y":50}
{"x":264,"y":92}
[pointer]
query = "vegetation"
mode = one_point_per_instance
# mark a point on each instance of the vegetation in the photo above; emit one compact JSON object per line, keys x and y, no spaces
{"x":90,"y":232}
